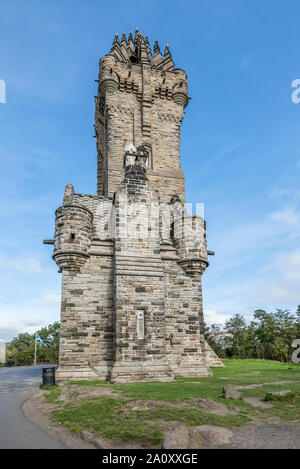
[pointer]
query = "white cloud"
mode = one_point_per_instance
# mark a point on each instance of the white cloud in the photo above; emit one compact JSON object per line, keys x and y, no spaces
{"x":257,"y":264}
{"x":289,"y":216}
{"x":283,"y":277}
{"x":13,"y":323}
{"x":213,"y":317}
{"x":52,"y":300}
{"x":28,"y":316}
{"x":236,"y":245}
{"x":23,"y":263}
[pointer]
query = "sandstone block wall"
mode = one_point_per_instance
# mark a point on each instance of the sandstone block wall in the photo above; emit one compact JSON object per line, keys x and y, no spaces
{"x":131,"y":258}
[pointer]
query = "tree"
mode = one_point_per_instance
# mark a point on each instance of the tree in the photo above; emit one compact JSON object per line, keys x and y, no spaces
{"x":265,"y":333}
{"x":268,"y":336}
{"x":213,"y":335}
{"x":240,"y":338}
{"x":21,"y":348}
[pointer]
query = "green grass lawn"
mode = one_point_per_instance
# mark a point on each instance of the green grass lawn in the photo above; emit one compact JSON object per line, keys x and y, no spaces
{"x":114,"y":416}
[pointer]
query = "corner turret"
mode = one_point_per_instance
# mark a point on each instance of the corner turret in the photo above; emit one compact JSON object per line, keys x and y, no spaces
{"x":73,"y":228}
{"x":190,"y":241}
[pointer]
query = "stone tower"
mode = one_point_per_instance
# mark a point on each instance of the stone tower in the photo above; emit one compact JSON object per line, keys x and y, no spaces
{"x":141,"y":100}
{"x":131,"y":258}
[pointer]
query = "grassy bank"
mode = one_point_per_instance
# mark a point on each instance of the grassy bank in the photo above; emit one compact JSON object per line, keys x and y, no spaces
{"x":142,"y":411}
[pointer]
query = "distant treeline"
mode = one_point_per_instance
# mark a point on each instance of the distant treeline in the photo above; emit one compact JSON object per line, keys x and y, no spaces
{"x":268,"y":336}
{"x":21,"y":349}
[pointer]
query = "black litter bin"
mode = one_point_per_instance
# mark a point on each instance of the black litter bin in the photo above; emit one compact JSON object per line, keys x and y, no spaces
{"x":49,"y":376}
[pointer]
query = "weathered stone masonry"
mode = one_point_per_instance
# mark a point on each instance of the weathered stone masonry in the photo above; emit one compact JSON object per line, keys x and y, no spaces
{"x":131,"y":258}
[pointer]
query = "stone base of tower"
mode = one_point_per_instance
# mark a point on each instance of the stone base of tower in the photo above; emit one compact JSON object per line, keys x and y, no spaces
{"x":70,"y":373}
{"x":192,"y":369}
{"x":129,"y":372}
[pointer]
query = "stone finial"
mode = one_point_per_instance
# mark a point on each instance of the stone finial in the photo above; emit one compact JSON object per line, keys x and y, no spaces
{"x":68,"y":195}
{"x":148,"y":49}
{"x":130,"y":42}
{"x":116,"y":47}
{"x":116,"y":39}
{"x":124,"y":40}
{"x":156,"y":48}
{"x":156,"y":59}
{"x":167,"y":51}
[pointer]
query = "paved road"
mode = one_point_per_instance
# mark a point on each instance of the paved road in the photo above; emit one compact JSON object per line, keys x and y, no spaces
{"x":16,"y":431}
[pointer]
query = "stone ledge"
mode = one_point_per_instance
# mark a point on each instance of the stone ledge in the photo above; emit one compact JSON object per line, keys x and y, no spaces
{"x":126,"y":372}
{"x":139,"y":274}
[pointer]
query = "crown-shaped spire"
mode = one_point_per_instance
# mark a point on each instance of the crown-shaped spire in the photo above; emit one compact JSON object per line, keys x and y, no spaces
{"x":137,"y":50}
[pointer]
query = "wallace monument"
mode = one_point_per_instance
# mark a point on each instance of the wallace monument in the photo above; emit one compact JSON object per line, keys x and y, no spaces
{"x":132,"y":257}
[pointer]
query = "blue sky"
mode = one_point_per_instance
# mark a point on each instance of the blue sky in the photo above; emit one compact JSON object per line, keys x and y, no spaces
{"x":240,"y":146}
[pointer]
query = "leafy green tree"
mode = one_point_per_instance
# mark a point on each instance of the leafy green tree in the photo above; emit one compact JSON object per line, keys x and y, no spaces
{"x":265,"y":333}
{"x":240,"y":338}
{"x":286,"y":332}
{"x":21,"y":348}
{"x":268,"y":336}
{"x":212,"y":335}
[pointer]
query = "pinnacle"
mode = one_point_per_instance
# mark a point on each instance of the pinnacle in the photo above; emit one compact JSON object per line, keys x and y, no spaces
{"x":137,"y":34}
{"x":116,"y":38}
{"x":156,"y":47}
